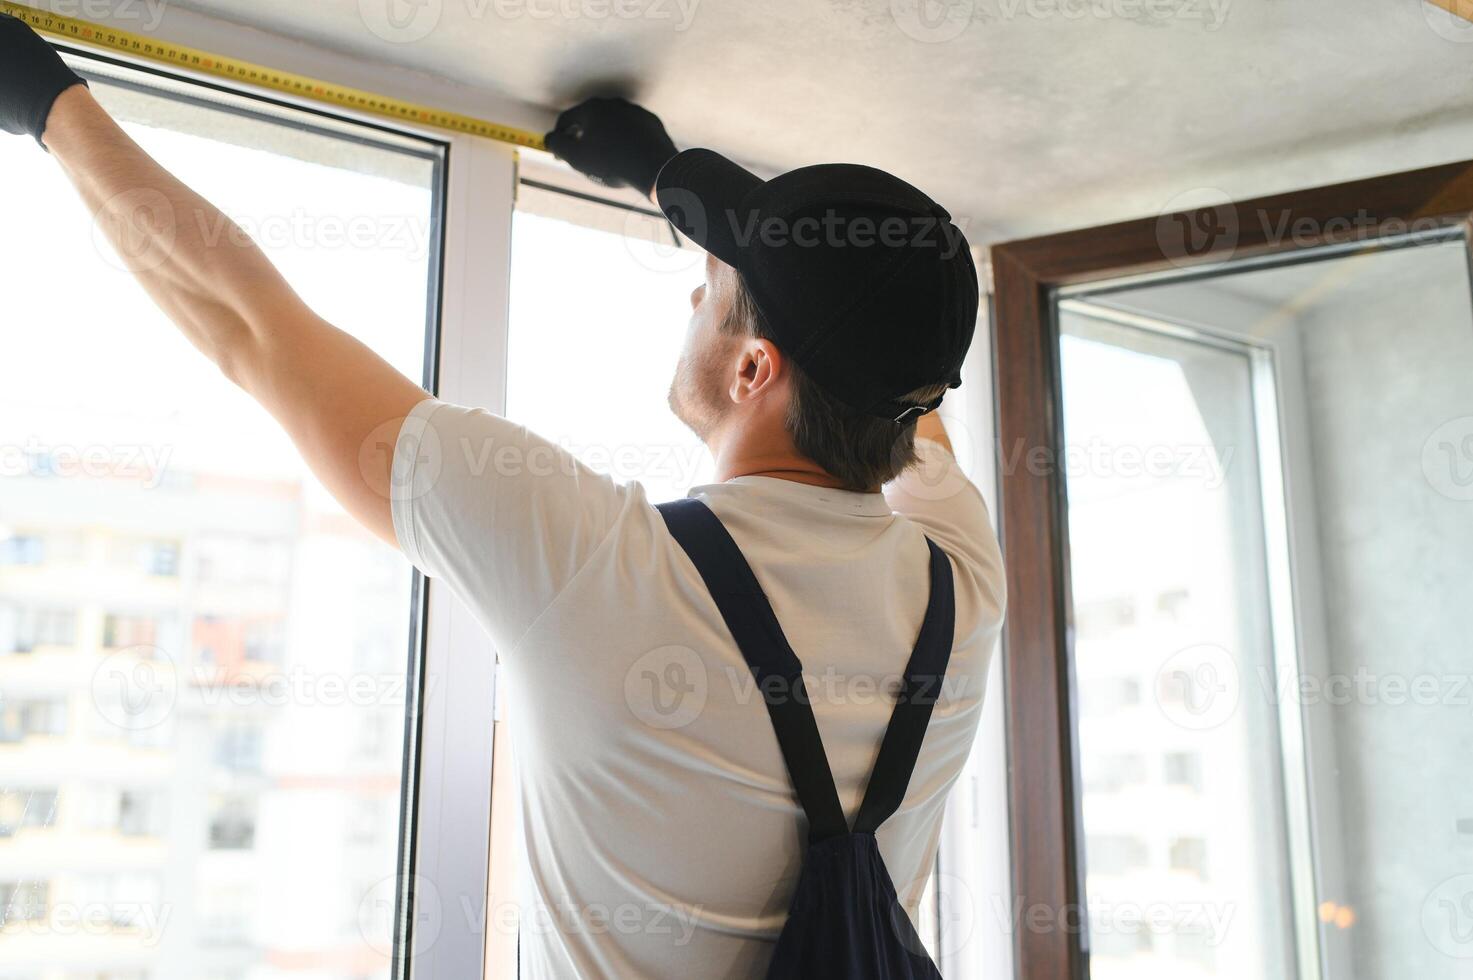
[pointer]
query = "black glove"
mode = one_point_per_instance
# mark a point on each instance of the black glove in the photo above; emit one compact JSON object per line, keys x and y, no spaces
{"x":32,"y":75}
{"x":613,"y":141}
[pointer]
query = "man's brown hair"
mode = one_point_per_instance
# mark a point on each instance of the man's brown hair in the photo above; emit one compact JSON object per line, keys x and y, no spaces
{"x":862,"y":451}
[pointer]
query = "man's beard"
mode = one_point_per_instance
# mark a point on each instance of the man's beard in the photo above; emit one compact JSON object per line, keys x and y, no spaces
{"x":695,"y":395}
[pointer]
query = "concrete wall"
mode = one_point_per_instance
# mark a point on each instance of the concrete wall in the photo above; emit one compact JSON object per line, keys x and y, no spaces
{"x":1387,"y":366}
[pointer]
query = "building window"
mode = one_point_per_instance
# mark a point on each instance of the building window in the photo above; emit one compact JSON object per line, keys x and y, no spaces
{"x":23,"y":901}
{"x":1184,"y":769}
{"x":232,"y":823}
{"x":121,"y":630}
{"x":22,"y":549}
{"x":21,"y":719}
{"x":26,"y":808}
{"x":1116,"y":854}
{"x":1189,"y":854}
{"x":140,"y":813}
{"x":238,"y":746}
{"x":25,"y":629}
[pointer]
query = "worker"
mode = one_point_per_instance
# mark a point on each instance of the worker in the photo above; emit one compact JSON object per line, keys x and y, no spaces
{"x":737,"y":716}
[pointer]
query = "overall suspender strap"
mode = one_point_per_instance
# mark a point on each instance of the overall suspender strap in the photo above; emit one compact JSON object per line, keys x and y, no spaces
{"x":924,"y":676}
{"x":774,"y":666}
{"x":779,"y":674}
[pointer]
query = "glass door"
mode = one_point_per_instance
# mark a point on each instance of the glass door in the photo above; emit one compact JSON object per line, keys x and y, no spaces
{"x":1269,"y":479}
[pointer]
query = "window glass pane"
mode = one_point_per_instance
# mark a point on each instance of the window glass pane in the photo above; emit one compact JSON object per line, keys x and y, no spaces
{"x":598,"y":318}
{"x":1186,"y":860}
{"x":203,"y":660}
{"x":600,"y":298}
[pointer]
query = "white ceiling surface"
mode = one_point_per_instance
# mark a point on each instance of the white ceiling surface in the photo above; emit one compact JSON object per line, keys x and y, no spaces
{"x":1028,"y":120}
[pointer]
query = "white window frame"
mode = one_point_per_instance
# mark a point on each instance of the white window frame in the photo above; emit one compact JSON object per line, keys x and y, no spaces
{"x":446,"y":864}
{"x":444,"y":855}
{"x":452,"y":832}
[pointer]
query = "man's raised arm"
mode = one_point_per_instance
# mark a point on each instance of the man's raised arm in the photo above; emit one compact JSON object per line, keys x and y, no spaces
{"x":339,"y":401}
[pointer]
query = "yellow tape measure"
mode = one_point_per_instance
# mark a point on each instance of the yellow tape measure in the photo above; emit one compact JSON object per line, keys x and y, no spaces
{"x":299,"y":86}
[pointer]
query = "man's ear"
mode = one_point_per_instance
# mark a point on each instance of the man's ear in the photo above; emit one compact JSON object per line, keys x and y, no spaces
{"x":761,"y":371}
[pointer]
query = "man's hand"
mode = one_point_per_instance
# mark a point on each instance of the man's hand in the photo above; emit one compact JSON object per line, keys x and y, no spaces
{"x":32,"y":75}
{"x":613,"y":141}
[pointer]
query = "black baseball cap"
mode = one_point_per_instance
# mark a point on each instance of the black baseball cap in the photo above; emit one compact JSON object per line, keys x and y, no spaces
{"x":860,"y":278}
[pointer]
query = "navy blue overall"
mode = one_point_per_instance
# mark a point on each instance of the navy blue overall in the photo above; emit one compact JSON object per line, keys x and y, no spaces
{"x":845,"y":922}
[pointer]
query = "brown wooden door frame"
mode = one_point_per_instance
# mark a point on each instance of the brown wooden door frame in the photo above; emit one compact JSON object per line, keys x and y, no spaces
{"x":1042,"y":763}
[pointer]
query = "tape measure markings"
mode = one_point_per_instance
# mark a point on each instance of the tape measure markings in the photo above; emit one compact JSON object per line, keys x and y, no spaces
{"x":289,"y":83}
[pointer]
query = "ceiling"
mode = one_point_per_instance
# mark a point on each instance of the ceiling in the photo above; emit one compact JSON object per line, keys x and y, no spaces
{"x":1021,"y":116}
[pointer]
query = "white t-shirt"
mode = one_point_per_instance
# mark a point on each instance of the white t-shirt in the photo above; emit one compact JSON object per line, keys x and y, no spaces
{"x":662,"y":836}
